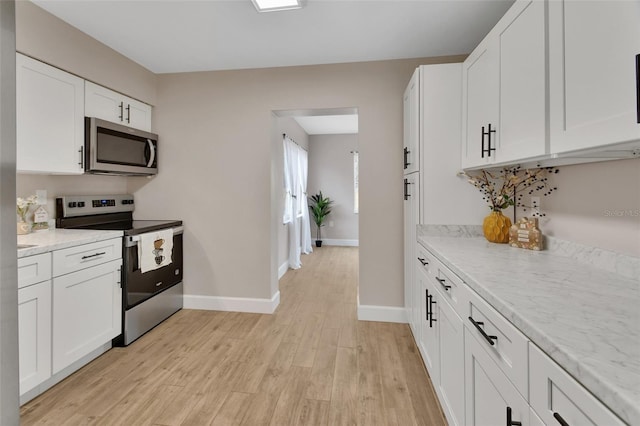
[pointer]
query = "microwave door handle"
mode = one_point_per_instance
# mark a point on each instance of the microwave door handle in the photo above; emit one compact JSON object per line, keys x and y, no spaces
{"x":152,"y":155}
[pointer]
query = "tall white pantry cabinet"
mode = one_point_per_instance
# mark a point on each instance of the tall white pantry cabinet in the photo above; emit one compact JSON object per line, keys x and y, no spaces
{"x":434,"y":194}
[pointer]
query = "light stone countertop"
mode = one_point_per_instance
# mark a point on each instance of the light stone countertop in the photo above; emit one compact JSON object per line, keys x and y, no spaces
{"x":586,"y":319}
{"x":55,"y":239}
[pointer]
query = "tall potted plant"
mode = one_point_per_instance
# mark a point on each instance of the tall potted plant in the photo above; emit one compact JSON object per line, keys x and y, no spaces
{"x":320,"y":207}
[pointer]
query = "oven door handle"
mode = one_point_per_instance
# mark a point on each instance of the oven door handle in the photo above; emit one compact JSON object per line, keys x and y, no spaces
{"x":131,"y":241}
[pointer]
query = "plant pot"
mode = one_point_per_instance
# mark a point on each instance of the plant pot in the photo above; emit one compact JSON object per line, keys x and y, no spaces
{"x":496,"y":227}
{"x":318,"y":243}
{"x":23,"y":228}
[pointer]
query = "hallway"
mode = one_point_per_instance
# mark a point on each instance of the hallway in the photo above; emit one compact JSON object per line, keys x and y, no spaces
{"x":311,"y":362}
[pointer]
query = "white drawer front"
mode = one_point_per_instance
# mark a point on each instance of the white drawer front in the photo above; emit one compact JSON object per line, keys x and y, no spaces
{"x":427,"y":260}
{"x":555,"y":395}
{"x":452,"y":288}
{"x":34,"y":269}
{"x":85,"y":256}
{"x":509,"y":348}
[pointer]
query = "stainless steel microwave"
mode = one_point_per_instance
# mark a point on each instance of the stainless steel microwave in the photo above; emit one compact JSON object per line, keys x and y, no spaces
{"x":111,"y":148}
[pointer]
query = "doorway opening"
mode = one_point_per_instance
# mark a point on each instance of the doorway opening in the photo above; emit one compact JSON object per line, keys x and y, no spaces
{"x":329,"y":138}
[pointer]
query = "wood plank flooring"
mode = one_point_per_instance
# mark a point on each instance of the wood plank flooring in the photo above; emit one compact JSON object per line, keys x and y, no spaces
{"x":310,"y":363}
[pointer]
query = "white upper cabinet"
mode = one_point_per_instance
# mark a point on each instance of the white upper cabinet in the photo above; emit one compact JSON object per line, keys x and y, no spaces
{"x":411,"y":137}
{"x":106,"y":104}
{"x":49,"y":119}
{"x":504,"y":90}
{"x":593,"y":48}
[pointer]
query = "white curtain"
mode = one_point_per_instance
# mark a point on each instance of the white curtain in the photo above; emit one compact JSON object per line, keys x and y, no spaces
{"x":296,"y":211}
{"x":305,"y":225}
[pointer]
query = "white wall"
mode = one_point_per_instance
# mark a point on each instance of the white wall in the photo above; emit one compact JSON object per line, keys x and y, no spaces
{"x":9,"y":387}
{"x":331,"y":171}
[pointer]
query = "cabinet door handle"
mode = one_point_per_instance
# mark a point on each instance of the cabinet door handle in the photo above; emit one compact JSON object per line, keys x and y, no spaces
{"x":93,"y":255}
{"x":560,"y":420}
{"x":490,"y":148}
{"x":121,"y":117}
{"x":406,"y":189}
{"x":510,"y":421}
{"x":128,"y":113}
{"x":477,"y":324}
{"x":431,"y":303}
{"x":423,"y":261}
{"x":442,"y":283}
{"x":406,"y":158}
{"x":426,"y":304}
{"x":482,"y":145}
{"x":81,"y":162}
{"x":638,"y":86}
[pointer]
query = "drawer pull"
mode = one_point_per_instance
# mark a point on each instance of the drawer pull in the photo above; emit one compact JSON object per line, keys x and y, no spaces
{"x":423,"y":261}
{"x":94,"y":255}
{"x":510,"y":421}
{"x":441,"y":281}
{"x":426,"y":304}
{"x":488,"y":338}
{"x":560,"y":420}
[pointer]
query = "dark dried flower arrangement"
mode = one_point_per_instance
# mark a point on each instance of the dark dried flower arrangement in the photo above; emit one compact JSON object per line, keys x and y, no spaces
{"x":507,"y":187}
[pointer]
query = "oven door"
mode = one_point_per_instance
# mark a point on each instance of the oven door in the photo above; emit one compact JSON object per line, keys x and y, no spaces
{"x":139,"y":287}
{"x":115,"y":149}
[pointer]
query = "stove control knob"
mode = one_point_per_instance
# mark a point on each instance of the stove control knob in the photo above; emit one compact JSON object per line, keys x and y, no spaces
{"x":72,"y":204}
{"x":81,"y":204}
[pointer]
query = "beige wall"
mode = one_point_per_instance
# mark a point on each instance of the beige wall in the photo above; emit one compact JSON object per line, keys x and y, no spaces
{"x":216,"y":169}
{"x":49,"y":39}
{"x":331,"y":171}
{"x":596,"y":204}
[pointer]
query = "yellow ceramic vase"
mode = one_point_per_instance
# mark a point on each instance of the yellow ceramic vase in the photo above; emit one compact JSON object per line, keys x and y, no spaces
{"x":496,"y":227}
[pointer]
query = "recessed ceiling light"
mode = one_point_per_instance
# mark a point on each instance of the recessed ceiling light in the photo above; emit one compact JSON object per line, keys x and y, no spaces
{"x":274,"y":5}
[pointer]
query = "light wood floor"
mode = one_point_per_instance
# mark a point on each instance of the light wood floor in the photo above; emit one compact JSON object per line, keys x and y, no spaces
{"x":310,"y":363}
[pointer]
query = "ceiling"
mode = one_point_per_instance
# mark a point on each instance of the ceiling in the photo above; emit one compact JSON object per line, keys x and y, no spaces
{"x":167,"y":36}
{"x":328,"y":124}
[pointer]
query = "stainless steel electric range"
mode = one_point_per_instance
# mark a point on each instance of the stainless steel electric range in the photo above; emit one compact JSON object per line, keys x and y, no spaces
{"x":148,"y":298}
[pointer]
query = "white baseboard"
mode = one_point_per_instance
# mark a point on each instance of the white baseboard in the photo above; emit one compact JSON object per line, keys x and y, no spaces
{"x":382,"y":313}
{"x":338,"y":242}
{"x":283,"y":269}
{"x":232,"y":304}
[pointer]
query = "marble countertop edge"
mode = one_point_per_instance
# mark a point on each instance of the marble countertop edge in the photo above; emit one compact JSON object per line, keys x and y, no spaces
{"x":57,"y":239}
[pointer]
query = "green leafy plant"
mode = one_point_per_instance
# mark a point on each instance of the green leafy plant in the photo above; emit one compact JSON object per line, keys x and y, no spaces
{"x":320,"y":207}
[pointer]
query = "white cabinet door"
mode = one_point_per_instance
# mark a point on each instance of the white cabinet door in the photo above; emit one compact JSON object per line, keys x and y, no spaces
{"x":411,"y":217}
{"x":451,"y":386}
{"x":429,"y":338}
{"x":106,"y":104}
{"x":34,"y":334}
{"x":490,"y":397}
{"x":411,"y":137}
{"x":95,"y":296}
{"x":557,"y":397}
{"x":522,"y":128}
{"x":504,"y":90}
{"x":49,"y":119}
{"x":480,"y":84}
{"x":592,"y":70}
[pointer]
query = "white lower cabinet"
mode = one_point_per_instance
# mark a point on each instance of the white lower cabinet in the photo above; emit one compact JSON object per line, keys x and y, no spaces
{"x":429,"y":339}
{"x":34,"y":334}
{"x":556,"y":397}
{"x":491,"y":399}
{"x":451,"y":386}
{"x":93,"y":295}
